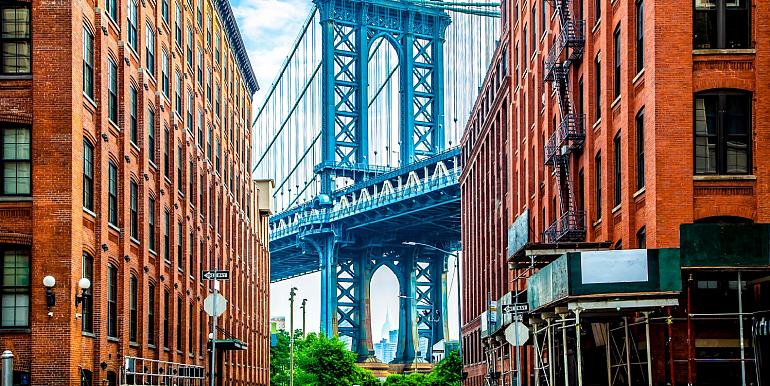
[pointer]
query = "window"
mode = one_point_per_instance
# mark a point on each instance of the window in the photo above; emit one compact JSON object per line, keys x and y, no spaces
{"x":616,"y":59}
{"x":88,"y":63}
{"x":14,"y":288}
{"x":178,"y":93}
{"x":598,"y":86}
{"x":524,"y":50}
{"x":112,"y":91}
{"x":199,"y":8}
{"x":112,"y":192}
{"x":218,"y":155}
{"x":179,"y":242}
{"x":191,"y":182}
{"x":190,"y":104}
{"x":189,"y":46}
{"x":202,"y":336}
{"x":723,"y":132}
{"x":208,"y":85}
{"x":166,"y":235}
{"x":112,"y":378}
{"x":597,"y":10}
{"x":533,"y":24}
{"x":151,"y":134}
{"x":88,"y":175}
{"x":86,"y":377}
{"x":179,"y":324}
{"x":641,"y":238}
{"x":208,"y":143}
{"x":132,"y":308}
{"x":640,"y":182}
{"x":150,"y":50}
{"x":166,"y":159}
{"x":134,"y":191}
{"x":112,"y":9}
{"x":178,"y":25}
{"x":200,"y":67}
{"x":639,"y":35}
{"x":179,"y":168}
{"x":133,"y":126}
{"x":133,"y":17}
{"x":617,"y":169}
{"x":151,"y":314}
{"x":112,"y":301}
{"x":598,"y":163}
{"x":190,"y":329}
{"x":543,"y":16}
{"x":166,"y":307}
{"x":721,"y":24}
{"x":87,"y":322}
{"x":217,"y":47}
{"x":165,"y":71}
{"x":191,"y":253}
{"x":164,"y":10}
{"x":218,"y":100}
{"x":151,"y":223}
{"x":202,"y":201}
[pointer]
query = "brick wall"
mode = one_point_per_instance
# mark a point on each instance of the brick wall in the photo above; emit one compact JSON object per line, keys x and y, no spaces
{"x":53,"y":221}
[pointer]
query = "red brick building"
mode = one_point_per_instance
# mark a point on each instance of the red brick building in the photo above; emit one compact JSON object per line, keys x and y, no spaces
{"x":641,"y":117}
{"x":125,"y":159}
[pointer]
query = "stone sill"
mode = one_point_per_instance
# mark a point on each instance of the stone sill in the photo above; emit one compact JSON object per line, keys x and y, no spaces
{"x":745,"y":177}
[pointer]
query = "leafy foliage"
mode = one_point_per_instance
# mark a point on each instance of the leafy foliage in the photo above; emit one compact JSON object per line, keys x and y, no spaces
{"x":322,"y":361}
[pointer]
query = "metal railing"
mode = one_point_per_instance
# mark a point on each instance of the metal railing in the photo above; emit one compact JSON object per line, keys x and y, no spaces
{"x":143,"y":371}
{"x":569,"y":227}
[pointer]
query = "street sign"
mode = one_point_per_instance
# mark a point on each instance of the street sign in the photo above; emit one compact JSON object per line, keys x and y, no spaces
{"x":216,"y":275}
{"x":517,"y":334}
{"x":516,"y":307}
{"x":221,"y":304}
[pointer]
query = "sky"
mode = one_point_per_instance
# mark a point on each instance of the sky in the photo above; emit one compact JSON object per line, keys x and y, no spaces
{"x":269,"y":29}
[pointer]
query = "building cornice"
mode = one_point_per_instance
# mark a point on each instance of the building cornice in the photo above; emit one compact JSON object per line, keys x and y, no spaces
{"x":236,"y":43}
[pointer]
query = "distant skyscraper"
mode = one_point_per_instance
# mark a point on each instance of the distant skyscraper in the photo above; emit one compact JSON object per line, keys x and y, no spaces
{"x":385,"y":349}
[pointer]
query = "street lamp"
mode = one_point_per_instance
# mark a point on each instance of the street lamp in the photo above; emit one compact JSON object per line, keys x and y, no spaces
{"x":292,"y":294}
{"x":457,"y":272}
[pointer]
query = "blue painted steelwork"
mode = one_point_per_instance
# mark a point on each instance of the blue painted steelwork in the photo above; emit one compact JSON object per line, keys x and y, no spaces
{"x":343,"y":209}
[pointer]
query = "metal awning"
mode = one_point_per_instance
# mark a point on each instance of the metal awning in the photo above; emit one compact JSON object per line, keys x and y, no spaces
{"x":230,"y":345}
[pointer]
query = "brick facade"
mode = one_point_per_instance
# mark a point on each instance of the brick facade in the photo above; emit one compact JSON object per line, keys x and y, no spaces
{"x":504,"y":173}
{"x":229,"y":228}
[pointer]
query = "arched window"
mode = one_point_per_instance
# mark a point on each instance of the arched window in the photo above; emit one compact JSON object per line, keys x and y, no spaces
{"x":133,"y":325}
{"x":722,"y":120}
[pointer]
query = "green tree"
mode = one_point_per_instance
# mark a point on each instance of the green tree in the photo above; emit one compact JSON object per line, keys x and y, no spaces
{"x":448,"y":372}
{"x":327,"y":361}
{"x":413,"y":379}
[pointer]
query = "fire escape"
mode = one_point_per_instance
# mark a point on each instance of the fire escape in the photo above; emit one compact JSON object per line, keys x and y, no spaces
{"x":569,"y":135}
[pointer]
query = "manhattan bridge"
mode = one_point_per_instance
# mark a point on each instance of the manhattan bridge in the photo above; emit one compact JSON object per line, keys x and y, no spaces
{"x":360,"y":131}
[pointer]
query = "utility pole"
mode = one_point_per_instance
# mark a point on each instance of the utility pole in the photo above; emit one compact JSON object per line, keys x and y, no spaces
{"x":292,"y":294}
{"x":304,"y":304}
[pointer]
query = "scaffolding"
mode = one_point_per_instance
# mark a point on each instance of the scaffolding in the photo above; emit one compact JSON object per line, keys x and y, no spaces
{"x":143,"y":371}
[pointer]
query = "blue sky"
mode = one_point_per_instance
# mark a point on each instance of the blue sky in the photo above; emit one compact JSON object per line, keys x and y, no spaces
{"x":269,"y":29}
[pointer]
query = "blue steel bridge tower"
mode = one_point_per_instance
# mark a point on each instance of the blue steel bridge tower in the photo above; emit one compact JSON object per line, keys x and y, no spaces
{"x":349,"y":29}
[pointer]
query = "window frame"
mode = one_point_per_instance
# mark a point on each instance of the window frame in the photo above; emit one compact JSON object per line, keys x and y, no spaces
{"x":112,"y":301}
{"x":598,"y":187}
{"x":149,"y":45}
{"x":166,"y":321}
{"x":639,"y":36}
{"x":151,"y":239}
{"x":134,"y":210}
{"x":133,"y":309}
{"x":18,"y":251}
{"x":598,"y":86}
{"x":618,"y":169}
{"x":112,"y":91}
{"x":721,"y":136}
{"x":617,"y":60}
{"x":88,"y":175}
{"x":87,"y":308}
{"x":151,"y":146}
{"x":721,"y":25}
{"x":112,"y":193}
{"x":640,"y":167}
{"x":151,"y":314}
{"x":88,"y":62}
{"x":133,"y":123}
{"x":132,"y":20}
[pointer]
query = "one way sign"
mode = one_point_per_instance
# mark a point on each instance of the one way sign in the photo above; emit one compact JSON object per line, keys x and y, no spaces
{"x":516,"y":307}
{"x":216,"y":275}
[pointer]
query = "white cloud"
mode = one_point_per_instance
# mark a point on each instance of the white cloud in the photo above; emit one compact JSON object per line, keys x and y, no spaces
{"x":269,"y":28}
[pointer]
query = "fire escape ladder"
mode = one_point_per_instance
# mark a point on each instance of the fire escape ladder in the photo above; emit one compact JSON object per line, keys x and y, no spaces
{"x":569,"y":136}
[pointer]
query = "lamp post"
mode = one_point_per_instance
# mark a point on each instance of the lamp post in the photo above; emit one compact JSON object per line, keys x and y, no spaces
{"x":304,"y":311}
{"x":292,"y":294}
{"x":457,"y":272}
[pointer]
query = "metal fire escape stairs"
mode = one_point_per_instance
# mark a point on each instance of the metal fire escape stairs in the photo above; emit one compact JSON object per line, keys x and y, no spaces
{"x":569,"y":135}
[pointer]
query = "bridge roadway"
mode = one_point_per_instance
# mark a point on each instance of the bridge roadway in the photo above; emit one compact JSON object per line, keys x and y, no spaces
{"x":418,"y":202}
